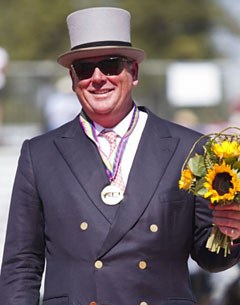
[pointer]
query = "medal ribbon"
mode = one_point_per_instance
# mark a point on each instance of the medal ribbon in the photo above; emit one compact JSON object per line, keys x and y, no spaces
{"x":90,"y":131}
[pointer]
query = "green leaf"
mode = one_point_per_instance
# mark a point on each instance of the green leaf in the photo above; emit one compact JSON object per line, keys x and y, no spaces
{"x":201,"y":192}
{"x":237,"y":198}
{"x":236,"y":165}
{"x":230,"y":160}
{"x":199,"y":184}
{"x":197,"y":165}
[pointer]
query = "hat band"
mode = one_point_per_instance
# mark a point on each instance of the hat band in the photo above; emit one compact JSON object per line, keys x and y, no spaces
{"x":102,"y":44}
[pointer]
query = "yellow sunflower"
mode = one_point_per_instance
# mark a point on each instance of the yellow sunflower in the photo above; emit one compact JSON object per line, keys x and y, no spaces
{"x":186,"y":179}
{"x":226,"y":149}
{"x":221,"y":183}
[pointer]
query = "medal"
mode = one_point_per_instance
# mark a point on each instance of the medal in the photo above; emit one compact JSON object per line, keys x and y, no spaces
{"x":112,"y":195}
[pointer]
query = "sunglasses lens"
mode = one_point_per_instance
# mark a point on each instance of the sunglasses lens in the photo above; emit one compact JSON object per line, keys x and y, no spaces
{"x":110,"y":66}
{"x":84,"y":70}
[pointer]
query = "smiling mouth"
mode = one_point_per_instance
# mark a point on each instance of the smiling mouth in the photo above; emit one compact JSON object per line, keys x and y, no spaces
{"x":100,"y":92}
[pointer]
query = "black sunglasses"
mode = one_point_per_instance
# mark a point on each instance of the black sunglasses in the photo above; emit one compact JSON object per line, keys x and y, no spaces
{"x":109,"y":66}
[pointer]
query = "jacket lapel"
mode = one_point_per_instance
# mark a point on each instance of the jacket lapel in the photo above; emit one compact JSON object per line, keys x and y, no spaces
{"x":83,"y":159}
{"x":154,"y":153}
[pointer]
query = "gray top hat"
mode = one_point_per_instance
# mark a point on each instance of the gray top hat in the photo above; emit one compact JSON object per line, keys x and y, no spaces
{"x":99,"y":31}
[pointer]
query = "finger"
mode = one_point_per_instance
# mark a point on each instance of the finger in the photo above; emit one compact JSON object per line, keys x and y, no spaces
{"x":231,"y":232}
{"x":227,"y":207}
{"x":229,"y":214}
{"x":227,"y":222}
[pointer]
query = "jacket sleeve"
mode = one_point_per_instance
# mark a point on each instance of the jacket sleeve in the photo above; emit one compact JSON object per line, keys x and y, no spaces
{"x":23,"y":258}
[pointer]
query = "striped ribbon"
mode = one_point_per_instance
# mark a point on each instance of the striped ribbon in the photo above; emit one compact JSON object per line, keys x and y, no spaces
{"x":90,"y":130}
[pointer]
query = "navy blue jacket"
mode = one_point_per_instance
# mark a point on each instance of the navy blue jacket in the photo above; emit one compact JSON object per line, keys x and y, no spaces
{"x":132,"y":254}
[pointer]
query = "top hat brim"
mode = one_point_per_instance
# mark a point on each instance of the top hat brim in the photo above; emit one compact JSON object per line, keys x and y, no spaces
{"x":68,"y":58}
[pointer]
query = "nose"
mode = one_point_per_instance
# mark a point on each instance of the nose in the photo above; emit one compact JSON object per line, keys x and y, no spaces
{"x":98,"y":76}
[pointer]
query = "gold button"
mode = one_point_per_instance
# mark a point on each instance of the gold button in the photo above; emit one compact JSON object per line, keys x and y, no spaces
{"x":98,"y":264}
{"x":84,"y":226}
{"x":153,"y":228}
{"x":93,"y":303}
{"x":143,"y":303}
{"x":142,"y":265}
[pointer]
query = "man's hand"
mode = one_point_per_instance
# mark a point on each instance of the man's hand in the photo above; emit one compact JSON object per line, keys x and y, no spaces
{"x":227,"y":218}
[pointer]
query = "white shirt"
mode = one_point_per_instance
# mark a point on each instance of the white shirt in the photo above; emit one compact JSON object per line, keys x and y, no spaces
{"x":132,"y":143}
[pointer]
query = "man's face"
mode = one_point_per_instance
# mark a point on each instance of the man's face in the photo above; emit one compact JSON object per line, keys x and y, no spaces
{"x":106,"y":99}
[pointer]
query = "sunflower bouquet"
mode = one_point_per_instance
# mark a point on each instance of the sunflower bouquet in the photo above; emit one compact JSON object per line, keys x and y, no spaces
{"x":215,"y":175}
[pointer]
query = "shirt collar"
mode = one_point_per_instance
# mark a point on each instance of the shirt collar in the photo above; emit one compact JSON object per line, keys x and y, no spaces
{"x":121,"y":128}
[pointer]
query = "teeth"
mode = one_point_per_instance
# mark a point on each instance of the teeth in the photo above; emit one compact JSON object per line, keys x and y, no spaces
{"x":101,"y":92}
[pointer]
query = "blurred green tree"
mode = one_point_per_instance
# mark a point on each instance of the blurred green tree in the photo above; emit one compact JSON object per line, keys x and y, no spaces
{"x":33,"y":30}
{"x":175,"y":29}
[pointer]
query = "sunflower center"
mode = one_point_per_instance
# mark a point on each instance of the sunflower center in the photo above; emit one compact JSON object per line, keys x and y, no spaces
{"x":222,"y":183}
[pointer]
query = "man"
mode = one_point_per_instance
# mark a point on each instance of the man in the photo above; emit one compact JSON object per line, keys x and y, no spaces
{"x":110,"y":221}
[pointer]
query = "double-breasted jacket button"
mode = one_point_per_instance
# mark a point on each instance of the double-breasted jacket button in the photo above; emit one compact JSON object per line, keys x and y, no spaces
{"x":153,"y":228}
{"x":83,"y":226}
{"x":98,"y":264}
{"x":142,"y":265}
{"x":143,"y":303}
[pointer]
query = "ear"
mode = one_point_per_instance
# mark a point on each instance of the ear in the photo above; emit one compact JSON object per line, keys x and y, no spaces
{"x":134,"y":71}
{"x":73,"y":78}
